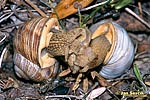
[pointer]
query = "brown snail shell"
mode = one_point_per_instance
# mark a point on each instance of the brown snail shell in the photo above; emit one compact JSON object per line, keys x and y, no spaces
{"x":31,"y":58}
{"x":121,"y":53}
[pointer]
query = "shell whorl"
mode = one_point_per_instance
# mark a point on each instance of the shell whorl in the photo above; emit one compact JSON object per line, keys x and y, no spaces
{"x":31,"y":58}
{"x":30,"y":71}
{"x":121,"y":53}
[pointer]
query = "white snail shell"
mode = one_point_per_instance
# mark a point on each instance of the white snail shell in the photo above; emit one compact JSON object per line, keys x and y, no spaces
{"x":30,"y":58}
{"x":121,"y":53}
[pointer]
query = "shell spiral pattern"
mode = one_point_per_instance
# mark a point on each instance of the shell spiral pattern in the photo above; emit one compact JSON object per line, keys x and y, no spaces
{"x":31,"y":58}
{"x":121,"y":54}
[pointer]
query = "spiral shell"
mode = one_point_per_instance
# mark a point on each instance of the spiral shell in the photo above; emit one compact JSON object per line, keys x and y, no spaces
{"x":121,"y":53}
{"x":31,"y":58}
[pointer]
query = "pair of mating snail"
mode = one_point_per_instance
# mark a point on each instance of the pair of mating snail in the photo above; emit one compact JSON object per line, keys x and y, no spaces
{"x":40,"y":40}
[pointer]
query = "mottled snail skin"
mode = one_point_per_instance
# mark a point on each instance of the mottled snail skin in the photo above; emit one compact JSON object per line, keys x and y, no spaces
{"x":100,"y":46}
{"x":65,"y":43}
{"x":121,"y":54}
{"x":90,"y":56}
{"x":30,"y":58}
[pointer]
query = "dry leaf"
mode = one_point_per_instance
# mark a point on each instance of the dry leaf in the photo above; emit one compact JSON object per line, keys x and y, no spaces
{"x":65,"y":72}
{"x":8,"y":83}
{"x":95,"y":93}
{"x":100,"y":79}
{"x":144,"y":46}
{"x":85,"y":85}
{"x":68,"y":7}
{"x":78,"y":80}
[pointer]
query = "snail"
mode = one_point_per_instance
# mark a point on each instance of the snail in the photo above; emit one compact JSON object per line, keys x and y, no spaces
{"x":120,"y":57}
{"x":110,"y":52}
{"x":38,"y":42}
{"x":110,"y":48}
{"x":31,"y":59}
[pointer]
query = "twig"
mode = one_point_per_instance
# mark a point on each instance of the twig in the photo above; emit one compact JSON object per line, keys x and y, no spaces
{"x":13,"y":8}
{"x":36,"y":8}
{"x":4,"y":17}
{"x":80,"y":17}
{"x":140,"y":8}
{"x":10,"y":26}
{"x":94,"y":6}
{"x":3,"y":38}
{"x":19,"y":10}
{"x":134,"y":36}
{"x":121,"y":78}
{"x":93,"y":87}
{"x":142,"y":55}
{"x":63,"y":96}
{"x":60,"y":21}
{"x":112,"y":93}
{"x":2,"y":55}
{"x":91,"y":15}
{"x":136,"y":16}
{"x":73,"y":22}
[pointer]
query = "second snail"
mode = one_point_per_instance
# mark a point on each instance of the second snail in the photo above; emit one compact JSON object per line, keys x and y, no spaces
{"x":105,"y":45}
